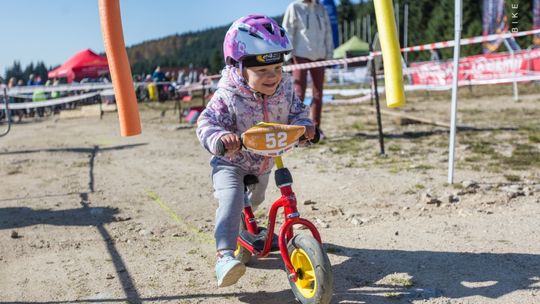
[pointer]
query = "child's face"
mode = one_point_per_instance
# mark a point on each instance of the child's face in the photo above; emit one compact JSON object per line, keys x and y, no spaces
{"x":264,"y":79}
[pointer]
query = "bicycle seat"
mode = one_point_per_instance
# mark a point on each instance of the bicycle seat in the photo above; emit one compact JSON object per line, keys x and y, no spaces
{"x":250,"y":180}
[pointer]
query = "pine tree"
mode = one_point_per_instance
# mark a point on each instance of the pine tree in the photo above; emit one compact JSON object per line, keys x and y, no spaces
{"x":15,"y":71}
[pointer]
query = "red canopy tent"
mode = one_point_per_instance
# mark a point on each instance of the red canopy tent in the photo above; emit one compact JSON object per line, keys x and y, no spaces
{"x":84,"y":64}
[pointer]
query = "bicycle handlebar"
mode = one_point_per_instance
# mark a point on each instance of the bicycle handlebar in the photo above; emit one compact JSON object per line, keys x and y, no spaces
{"x":220,"y":147}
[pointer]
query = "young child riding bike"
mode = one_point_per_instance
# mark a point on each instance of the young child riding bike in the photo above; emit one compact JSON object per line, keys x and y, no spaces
{"x":252,"y":89}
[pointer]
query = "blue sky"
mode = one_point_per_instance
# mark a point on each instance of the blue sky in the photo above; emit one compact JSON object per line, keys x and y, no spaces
{"x":52,"y":31}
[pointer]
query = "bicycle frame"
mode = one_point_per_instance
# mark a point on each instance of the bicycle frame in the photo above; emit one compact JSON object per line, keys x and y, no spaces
{"x":287,"y":201}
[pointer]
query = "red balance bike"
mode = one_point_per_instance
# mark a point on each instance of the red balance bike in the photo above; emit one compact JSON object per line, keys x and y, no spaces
{"x":310,"y":272}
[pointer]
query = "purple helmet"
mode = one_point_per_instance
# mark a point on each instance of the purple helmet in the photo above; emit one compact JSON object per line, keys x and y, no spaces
{"x":255,"y":35}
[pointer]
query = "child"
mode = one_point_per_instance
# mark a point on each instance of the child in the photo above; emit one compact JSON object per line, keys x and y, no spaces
{"x":252,"y":89}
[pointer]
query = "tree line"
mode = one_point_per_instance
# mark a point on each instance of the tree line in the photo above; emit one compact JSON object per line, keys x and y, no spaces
{"x":17,"y":72}
{"x":428,"y":21}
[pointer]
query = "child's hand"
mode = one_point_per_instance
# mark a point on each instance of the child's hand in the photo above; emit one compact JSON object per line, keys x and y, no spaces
{"x":310,"y":132}
{"x":231,"y":142}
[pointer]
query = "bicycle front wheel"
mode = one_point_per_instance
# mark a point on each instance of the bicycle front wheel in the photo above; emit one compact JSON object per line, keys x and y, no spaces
{"x":315,"y":283}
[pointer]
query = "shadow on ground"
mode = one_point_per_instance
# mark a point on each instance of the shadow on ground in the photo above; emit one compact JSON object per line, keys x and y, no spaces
{"x":451,"y":274}
{"x":454,"y":275}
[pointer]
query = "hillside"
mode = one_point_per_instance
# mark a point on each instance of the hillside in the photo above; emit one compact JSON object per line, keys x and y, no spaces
{"x":202,"y":48}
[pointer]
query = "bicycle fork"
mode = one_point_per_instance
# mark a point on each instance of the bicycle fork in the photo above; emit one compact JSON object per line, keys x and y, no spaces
{"x":292,"y":216}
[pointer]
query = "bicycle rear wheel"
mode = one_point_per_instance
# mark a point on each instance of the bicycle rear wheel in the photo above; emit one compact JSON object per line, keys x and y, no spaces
{"x":315,"y":283}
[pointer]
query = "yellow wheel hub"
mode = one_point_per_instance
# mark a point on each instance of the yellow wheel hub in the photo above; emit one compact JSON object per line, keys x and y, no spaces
{"x":306,"y":282}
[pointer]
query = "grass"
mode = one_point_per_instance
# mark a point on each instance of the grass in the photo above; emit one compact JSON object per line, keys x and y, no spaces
{"x":394,"y":147}
{"x":358,"y":126}
{"x":482,"y":147}
{"x":523,"y":158}
{"x":348,"y":146}
{"x":532,"y":132}
{"x":473,"y":158}
{"x":400,"y":280}
{"x":512,"y":178}
{"x":534,"y":138}
{"x":421,"y":167}
{"x":505,"y":141}
{"x":393,"y":295}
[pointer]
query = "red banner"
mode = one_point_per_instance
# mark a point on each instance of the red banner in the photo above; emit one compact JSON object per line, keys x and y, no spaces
{"x":478,"y":67}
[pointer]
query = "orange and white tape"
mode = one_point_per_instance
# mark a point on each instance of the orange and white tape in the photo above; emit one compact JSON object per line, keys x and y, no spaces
{"x":424,"y":47}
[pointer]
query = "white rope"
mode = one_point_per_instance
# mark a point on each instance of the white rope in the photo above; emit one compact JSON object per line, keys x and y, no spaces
{"x":49,"y":102}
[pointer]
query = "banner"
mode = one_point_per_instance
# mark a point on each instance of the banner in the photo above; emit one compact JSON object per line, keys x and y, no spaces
{"x":478,"y":67}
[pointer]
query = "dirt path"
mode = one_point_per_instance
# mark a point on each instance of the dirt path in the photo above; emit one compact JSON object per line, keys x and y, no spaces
{"x":89,"y":217}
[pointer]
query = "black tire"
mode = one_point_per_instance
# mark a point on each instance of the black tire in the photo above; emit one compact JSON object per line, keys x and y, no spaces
{"x":307,"y":254}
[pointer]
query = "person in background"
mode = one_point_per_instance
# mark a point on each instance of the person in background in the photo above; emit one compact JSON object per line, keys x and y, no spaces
{"x":31,"y":80}
{"x":158,"y":75}
{"x":38,"y":81}
{"x":11,"y":84}
{"x":181,"y":77}
{"x":435,"y":55}
{"x":308,"y":25}
{"x":192,"y":75}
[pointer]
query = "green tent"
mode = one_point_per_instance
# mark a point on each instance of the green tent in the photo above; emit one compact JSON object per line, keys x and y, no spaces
{"x":352,"y":48}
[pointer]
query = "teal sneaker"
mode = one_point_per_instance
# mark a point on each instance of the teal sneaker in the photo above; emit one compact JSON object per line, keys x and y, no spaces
{"x":229,"y":270}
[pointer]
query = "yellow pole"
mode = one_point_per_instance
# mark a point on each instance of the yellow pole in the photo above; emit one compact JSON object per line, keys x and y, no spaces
{"x":393,"y":77}
{"x":279,"y":162}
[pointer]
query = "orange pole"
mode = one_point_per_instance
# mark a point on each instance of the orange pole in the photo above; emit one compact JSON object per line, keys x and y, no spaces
{"x":113,"y":39}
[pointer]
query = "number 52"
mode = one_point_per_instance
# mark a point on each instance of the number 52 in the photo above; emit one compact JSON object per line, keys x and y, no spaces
{"x":272,"y":142}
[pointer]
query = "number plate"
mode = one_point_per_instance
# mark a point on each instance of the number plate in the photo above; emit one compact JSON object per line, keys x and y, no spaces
{"x":272,"y":139}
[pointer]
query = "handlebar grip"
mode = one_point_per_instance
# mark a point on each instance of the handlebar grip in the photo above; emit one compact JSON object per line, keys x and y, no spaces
{"x":316,"y":137}
{"x":220,"y":148}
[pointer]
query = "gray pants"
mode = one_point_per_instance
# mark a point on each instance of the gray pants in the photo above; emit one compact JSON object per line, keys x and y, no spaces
{"x":228,"y":183}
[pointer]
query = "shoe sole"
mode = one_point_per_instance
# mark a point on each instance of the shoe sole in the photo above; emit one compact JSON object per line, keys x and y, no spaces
{"x":233,"y":275}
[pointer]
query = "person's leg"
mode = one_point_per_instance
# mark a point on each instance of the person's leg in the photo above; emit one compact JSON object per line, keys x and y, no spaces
{"x":317,"y":75}
{"x":229,"y":190}
{"x":300,"y":78}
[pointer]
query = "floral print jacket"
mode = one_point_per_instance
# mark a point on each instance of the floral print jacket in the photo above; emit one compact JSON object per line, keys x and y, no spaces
{"x":234,"y":108}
